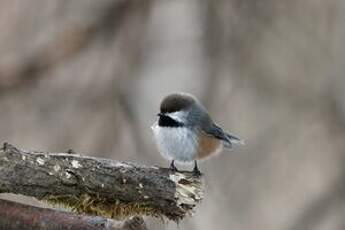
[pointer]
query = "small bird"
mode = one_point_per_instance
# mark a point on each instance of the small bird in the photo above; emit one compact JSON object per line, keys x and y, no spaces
{"x":184,"y":131}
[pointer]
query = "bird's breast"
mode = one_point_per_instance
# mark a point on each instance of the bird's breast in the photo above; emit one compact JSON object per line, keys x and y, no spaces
{"x":176,"y":143}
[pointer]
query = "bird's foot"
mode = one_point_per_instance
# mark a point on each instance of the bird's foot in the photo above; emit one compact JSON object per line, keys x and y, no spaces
{"x":196,"y":171}
{"x":173,"y":167}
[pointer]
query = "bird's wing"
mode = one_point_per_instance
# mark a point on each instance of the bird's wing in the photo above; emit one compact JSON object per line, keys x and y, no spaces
{"x":227,"y":138}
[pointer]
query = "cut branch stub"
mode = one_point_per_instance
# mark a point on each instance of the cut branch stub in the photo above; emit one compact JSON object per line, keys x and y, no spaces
{"x":97,"y":186}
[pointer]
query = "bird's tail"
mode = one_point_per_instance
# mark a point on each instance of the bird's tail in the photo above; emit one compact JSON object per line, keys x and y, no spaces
{"x":232,"y":140}
{"x":228,"y":139}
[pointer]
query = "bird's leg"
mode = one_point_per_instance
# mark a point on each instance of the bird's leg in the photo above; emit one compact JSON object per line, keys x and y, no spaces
{"x":196,"y":171}
{"x":172,"y":166}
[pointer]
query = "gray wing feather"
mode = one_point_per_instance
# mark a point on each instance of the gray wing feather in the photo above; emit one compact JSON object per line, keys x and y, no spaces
{"x":227,"y":138}
{"x":199,"y":115}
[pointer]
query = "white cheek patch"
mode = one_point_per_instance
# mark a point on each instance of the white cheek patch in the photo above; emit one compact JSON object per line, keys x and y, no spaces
{"x":179,"y":116}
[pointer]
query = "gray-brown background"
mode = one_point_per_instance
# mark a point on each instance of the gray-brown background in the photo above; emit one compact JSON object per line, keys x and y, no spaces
{"x":89,"y":75}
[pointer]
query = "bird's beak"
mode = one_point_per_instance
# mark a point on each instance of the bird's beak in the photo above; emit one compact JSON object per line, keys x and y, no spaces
{"x":159,"y":114}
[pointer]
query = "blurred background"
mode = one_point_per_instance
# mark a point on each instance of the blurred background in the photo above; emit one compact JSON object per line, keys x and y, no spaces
{"x":89,"y":75}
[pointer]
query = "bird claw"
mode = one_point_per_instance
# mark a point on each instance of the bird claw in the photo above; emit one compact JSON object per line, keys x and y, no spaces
{"x":173,"y":167}
{"x":196,"y":172}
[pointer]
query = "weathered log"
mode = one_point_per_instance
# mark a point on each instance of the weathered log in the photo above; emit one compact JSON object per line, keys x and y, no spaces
{"x":97,"y":186}
{"x":16,"y":216}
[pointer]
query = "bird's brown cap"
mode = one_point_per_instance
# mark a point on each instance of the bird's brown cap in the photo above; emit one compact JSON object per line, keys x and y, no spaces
{"x":176,"y":102}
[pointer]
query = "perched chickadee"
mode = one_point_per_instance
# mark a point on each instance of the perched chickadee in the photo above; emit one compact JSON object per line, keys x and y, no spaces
{"x":185,"y":132}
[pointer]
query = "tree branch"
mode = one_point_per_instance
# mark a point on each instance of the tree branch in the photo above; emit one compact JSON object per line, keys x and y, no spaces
{"x":99,"y":186}
{"x":19,"y":216}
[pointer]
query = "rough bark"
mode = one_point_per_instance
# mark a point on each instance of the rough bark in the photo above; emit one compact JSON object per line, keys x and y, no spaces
{"x":17,"y":216}
{"x":97,"y":186}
